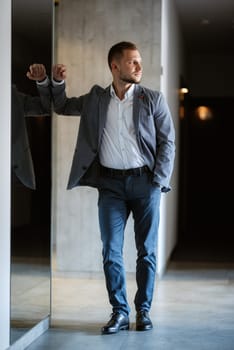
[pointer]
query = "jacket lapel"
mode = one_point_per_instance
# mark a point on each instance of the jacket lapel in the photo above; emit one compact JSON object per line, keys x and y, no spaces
{"x":103,"y":106}
{"x":137,"y":106}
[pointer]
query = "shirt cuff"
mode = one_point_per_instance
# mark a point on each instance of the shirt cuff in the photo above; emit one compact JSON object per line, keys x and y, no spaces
{"x":45,"y":82}
{"x":57,"y":83}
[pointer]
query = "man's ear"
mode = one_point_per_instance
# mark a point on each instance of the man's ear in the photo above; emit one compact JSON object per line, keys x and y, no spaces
{"x":114,"y":66}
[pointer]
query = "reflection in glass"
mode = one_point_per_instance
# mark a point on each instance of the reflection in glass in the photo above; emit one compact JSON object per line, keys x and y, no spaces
{"x":30,"y":236}
{"x":31,"y":173}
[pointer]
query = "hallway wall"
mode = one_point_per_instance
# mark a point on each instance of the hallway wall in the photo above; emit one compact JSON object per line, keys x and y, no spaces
{"x":173,"y":66}
{"x":84,"y":32}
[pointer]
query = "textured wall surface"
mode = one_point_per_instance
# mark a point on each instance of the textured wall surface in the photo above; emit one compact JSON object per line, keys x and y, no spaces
{"x":84,"y":32}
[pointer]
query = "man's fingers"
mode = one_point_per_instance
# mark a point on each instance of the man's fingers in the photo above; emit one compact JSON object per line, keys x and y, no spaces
{"x":36,"y":71}
{"x":59,"y":71}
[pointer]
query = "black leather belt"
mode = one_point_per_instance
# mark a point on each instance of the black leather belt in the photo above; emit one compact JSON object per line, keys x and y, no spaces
{"x":124,"y":172}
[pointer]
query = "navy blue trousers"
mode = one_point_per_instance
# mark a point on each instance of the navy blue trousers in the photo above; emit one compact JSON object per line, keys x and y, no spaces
{"x":118,"y":197}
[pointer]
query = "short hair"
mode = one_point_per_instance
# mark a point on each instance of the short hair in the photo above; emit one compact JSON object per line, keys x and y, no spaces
{"x":116,"y":51}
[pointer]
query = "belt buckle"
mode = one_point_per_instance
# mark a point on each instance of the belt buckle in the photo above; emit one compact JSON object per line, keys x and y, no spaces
{"x":137,"y":172}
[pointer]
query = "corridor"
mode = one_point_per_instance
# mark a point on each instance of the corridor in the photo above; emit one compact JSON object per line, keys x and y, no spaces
{"x":192,"y":310}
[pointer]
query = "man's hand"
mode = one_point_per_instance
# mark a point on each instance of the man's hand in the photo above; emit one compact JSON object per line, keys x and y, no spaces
{"x":36,"y":72}
{"x":59,"y":72}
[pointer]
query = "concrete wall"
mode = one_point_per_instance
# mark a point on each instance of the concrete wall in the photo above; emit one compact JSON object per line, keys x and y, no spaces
{"x":5,"y":118}
{"x":173,"y":65}
{"x":84,"y":32}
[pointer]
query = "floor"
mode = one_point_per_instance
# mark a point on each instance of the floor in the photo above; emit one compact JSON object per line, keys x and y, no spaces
{"x":30,"y":295}
{"x":193,"y":309}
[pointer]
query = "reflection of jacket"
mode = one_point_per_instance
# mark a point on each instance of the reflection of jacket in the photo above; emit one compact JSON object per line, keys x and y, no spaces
{"x":22,"y":106}
{"x":153,"y":125}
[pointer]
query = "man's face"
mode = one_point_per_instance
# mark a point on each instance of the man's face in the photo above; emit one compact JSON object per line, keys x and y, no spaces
{"x":129,"y":67}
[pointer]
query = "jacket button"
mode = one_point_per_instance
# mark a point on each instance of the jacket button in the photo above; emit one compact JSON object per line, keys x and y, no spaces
{"x":84,"y":167}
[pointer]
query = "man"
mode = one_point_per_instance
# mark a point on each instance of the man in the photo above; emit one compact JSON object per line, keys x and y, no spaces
{"x":24,"y":105}
{"x":125,"y":148}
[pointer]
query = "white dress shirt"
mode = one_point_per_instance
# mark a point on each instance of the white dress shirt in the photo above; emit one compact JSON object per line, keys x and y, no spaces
{"x":119,"y":148}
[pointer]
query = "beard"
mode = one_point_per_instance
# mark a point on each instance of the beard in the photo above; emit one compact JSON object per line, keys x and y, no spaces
{"x":130,"y":80}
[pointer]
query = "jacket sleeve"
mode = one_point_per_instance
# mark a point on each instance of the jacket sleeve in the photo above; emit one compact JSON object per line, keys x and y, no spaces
{"x":64,"y":105}
{"x":37,"y":105}
{"x":165,"y":144}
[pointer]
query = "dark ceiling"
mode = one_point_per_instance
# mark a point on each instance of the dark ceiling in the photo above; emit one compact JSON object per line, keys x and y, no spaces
{"x":207,"y":25}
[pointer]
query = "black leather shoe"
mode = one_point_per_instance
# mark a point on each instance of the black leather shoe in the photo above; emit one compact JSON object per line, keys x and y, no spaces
{"x":117,"y":322}
{"x":143,"y":322}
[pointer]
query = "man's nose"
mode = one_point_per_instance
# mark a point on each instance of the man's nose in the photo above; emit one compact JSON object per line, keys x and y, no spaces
{"x":139,"y":66}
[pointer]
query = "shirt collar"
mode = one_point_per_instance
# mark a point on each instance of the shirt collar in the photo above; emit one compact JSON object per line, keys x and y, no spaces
{"x":128,"y":93}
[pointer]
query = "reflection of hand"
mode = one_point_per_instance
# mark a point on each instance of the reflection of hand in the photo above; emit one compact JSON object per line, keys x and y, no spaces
{"x":36,"y":72}
{"x":59,"y":72}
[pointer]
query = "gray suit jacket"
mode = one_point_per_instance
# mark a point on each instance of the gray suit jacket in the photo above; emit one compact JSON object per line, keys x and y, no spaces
{"x":153,"y":124}
{"x":23,"y":106}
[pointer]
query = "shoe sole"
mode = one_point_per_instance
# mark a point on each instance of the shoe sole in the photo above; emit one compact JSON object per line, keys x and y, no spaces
{"x":144,"y":328}
{"x":122,"y":328}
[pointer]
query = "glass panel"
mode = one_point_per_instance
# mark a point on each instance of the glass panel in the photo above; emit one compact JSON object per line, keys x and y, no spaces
{"x":31,"y":159}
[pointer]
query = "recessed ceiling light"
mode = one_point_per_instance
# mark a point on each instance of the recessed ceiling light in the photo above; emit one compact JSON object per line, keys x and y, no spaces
{"x":205,"y":21}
